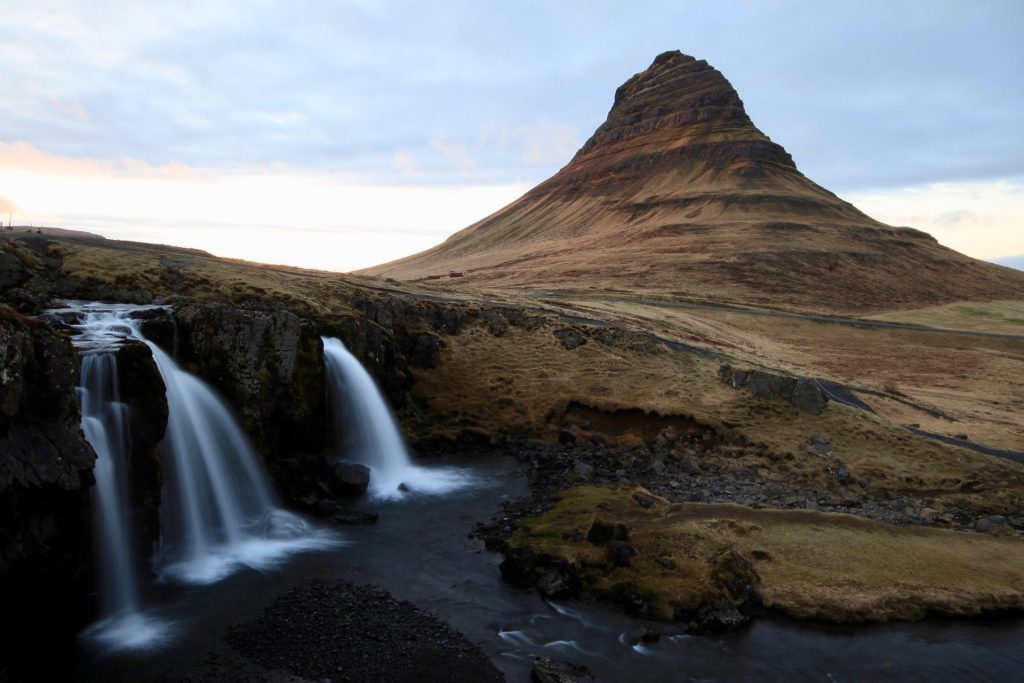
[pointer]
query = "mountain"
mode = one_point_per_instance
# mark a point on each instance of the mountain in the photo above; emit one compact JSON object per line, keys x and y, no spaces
{"x":677,"y":194}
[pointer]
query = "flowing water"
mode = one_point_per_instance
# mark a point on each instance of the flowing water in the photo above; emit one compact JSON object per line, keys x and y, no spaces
{"x":368,"y":435}
{"x":105,"y":425}
{"x":218,"y":512}
{"x":420,"y":551}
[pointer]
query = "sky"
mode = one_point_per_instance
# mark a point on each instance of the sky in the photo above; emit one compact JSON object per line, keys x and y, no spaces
{"x":339,"y":135}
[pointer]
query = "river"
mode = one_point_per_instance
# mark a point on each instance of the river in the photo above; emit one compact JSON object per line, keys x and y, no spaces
{"x":420,"y":550}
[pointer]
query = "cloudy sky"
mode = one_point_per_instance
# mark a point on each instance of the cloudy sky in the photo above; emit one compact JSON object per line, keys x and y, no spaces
{"x":342,"y":134}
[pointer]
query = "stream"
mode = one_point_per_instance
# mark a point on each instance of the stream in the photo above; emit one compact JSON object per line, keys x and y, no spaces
{"x":420,"y":551}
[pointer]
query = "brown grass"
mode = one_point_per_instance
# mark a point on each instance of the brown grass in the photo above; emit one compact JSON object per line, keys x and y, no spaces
{"x":812,"y":565}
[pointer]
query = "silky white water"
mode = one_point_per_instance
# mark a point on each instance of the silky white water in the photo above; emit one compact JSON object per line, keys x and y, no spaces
{"x":368,"y":435}
{"x":218,"y":513}
{"x":123,"y":624}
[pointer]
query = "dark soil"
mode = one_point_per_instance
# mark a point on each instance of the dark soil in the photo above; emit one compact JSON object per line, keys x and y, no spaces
{"x":340,"y":631}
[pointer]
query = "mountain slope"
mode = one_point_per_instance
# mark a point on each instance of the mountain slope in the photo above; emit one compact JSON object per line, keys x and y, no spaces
{"x":679,"y":195}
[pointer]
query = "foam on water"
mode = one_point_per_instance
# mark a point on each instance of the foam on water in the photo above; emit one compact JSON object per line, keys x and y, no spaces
{"x":368,"y":435}
{"x":218,"y":512}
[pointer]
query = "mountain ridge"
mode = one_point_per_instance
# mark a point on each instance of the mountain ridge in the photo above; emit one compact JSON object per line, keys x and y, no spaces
{"x":678,"y":194}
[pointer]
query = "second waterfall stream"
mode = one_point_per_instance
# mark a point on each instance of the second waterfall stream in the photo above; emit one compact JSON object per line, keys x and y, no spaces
{"x":368,"y":435}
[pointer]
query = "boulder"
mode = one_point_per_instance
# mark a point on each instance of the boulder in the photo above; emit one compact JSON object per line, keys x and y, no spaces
{"x":767,"y":386}
{"x":553,"y":585}
{"x":808,"y":397}
{"x":355,"y":517}
{"x":349,"y":479}
{"x":546,"y":670}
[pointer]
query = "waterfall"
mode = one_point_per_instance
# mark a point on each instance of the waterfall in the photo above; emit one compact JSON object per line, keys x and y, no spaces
{"x":123,"y":624}
{"x":218,"y":512}
{"x":368,"y":435}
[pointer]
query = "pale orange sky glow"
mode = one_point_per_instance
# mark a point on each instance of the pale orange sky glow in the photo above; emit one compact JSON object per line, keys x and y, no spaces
{"x":275,"y":214}
{"x":340,"y":135}
{"x":270,"y":215}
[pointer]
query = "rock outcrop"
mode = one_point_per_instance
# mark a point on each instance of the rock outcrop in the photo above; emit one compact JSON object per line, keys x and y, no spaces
{"x":142,"y":391}
{"x":45,"y":476}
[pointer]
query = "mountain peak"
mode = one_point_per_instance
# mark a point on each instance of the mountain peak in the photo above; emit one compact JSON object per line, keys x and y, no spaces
{"x":676,"y":91}
{"x":679,"y":195}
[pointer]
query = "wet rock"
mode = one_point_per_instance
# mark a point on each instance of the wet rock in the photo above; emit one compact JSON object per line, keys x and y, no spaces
{"x":45,"y":476}
{"x":519,"y":567}
{"x":571,"y":338}
{"x":642,"y":634}
{"x":349,"y":479}
{"x":808,"y":397}
{"x":326,"y":507}
{"x":552,"y":585}
{"x":355,"y":517}
{"x":736,"y":581}
{"x":143,"y":392}
{"x":566,"y":437}
{"x":267,"y":363}
{"x":547,"y":670}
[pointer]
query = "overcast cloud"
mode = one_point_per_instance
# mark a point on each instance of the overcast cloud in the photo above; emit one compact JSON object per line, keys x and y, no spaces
{"x":865,"y":95}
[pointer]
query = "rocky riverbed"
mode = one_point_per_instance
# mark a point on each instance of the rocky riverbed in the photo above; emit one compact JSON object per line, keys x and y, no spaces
{"x":342,"y":631}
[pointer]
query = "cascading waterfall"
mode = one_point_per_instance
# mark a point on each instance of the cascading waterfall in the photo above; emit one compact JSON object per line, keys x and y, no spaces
{"x":368,"y":434}
{"x":218,"y":512}
{"x":123,"y":624}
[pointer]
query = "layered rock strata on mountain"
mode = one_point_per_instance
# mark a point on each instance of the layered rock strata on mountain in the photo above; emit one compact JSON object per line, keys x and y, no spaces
{"x":678,"y":194}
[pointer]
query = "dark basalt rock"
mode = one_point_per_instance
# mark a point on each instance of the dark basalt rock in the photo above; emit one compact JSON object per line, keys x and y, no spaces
{"x":142,"y":390}
{"x":348,"y":632}
{"x":808,"y":397}
{"x":355,"y":517}
{"x":45,"y":475}
{"x":349,"y":479}
{"x":571,"y":338}
{"x":768,"y":387}
{"x":805,"y":394}
{"x":546,"y":670}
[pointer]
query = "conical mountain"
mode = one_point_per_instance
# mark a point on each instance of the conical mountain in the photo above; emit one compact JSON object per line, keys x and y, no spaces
{"x":677,"y":194}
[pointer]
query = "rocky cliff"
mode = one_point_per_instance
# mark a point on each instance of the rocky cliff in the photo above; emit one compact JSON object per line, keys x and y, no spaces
{"x":678,"y":194}
{"x":45,"y":475}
